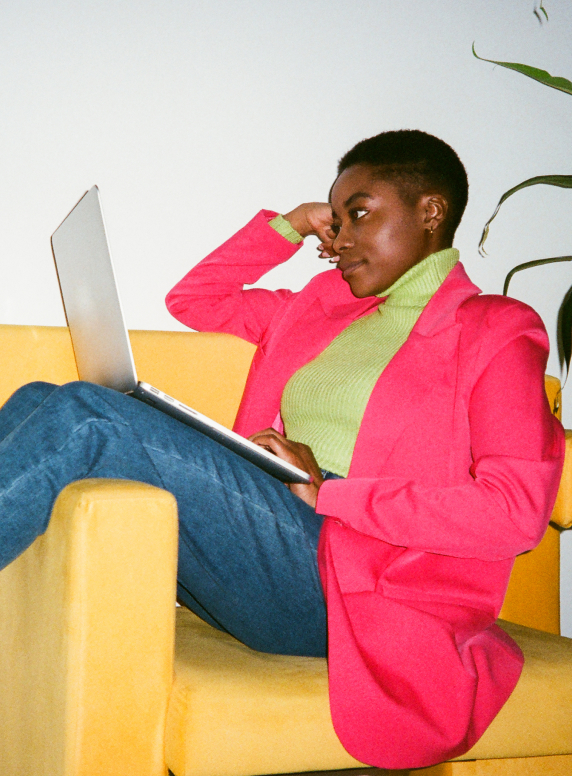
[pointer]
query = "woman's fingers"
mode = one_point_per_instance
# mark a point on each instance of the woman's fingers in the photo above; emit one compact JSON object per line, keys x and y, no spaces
{"x":310,"y":218}
{"x":319,"y":216}
{"x":275,"y":442}
{"x":294,"y":452}
{"x":265,"y":433}
{"x":326,"y":251}
{"x":297,"y":454}
{"x":326,"y":246}
{"x":325,"y":233}
{"x":272,"y":443}
{"x":315,"y":218}
{"x":288,"y":451}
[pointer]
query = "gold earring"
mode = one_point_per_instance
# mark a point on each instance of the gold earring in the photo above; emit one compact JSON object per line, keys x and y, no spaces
{"x":431,"y":231}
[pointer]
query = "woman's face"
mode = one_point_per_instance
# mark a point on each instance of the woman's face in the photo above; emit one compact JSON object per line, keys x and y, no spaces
{"x":378,"y":236}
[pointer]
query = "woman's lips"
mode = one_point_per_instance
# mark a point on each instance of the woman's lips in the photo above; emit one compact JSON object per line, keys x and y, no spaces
{"x":347,"y":271}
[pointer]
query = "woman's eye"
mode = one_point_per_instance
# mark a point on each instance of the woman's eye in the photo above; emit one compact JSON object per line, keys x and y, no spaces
{"x":359,"y":213}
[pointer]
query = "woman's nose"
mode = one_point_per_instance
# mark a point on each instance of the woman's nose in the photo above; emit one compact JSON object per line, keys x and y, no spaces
{"x":343,"y":240}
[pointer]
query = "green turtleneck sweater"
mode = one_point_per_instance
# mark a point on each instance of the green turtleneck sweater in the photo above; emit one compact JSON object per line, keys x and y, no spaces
{"x":324,"y":402}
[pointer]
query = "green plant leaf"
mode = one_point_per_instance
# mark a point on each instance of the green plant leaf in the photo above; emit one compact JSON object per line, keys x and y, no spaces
{"x":564,"y":326}
{"x":563,"y":181}
{"x":528,"y":265}
{"x":565,"y":329}
{"x":537,"y":14}
{"x":555,"y":82}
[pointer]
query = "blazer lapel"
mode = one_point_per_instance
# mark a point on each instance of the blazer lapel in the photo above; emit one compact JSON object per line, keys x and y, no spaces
{"x":419,"y":371}
{"x":304,"y":333}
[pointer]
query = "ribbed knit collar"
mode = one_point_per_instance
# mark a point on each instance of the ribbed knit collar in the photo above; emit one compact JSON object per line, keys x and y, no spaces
{"x":416,"y":287}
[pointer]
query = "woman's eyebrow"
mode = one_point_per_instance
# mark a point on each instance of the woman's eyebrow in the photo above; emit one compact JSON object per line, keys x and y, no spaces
{"x":357,"y":195}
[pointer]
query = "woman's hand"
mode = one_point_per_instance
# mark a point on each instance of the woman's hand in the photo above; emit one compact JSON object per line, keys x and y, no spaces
{"x":297,"y":454}
{"x":315,"y":218}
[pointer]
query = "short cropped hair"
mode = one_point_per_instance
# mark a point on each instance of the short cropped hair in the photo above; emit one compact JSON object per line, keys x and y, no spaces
{"x":417,"y":163}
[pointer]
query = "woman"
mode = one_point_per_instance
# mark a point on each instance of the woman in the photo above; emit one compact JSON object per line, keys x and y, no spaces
{"x":421,"y":417}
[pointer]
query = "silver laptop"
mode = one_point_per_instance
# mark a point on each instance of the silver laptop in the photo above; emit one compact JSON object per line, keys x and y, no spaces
{"x":99,"y":335}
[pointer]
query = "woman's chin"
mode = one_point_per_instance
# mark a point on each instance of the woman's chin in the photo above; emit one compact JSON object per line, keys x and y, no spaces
{"x":360,"y":290}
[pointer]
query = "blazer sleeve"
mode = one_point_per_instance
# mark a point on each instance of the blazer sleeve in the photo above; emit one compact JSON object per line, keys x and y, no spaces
{"x":517,"y":451}
{"x":211,"y":297}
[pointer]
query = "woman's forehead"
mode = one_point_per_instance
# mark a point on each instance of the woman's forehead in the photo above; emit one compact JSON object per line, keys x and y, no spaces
{"x":360,"y":183}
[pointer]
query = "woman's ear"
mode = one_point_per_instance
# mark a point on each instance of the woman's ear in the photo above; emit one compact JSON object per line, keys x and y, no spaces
{"x":435,"y":208}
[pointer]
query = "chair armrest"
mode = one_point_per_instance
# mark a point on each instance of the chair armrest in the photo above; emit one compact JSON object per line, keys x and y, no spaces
{"x":87,"y":635}
{"x":562,"y":512}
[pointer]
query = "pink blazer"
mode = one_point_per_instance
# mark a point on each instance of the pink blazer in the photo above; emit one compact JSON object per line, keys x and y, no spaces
{"x":454,"y":473}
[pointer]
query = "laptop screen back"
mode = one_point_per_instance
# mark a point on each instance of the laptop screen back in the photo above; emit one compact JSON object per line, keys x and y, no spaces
{"x":91,"y":300}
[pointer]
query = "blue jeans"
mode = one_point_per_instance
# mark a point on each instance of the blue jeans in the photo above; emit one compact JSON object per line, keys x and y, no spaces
{"x":247,"y":545}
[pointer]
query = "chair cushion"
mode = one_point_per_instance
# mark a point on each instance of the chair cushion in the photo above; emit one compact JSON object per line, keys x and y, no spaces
{"x":535,"y":721}
{"x":236,"y":711}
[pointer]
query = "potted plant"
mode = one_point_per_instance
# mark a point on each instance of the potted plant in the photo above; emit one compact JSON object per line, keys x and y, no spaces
{"x":564,"y":328}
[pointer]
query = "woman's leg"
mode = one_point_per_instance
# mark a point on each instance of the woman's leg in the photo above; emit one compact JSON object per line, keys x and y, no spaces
{"x":21,"y":405}
{"x":248,"y":547}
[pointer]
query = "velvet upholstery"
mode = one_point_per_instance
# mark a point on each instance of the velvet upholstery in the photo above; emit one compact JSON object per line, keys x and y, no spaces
{"x":86,"y":631}
{"x":86,"y":636}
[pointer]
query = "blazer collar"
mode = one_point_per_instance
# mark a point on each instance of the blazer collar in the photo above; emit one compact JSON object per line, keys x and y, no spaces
{"x":338,"y":301}
{"x":441,"y":310}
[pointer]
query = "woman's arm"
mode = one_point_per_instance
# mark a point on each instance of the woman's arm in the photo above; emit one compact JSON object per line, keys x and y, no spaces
{"x":211,"y":297}
{"x":517,"y":448}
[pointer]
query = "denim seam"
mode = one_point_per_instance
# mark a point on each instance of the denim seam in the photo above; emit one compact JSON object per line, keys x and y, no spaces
{"x":219,"y":482}
{"x":294,"y":527}
{"x":42,"y":464}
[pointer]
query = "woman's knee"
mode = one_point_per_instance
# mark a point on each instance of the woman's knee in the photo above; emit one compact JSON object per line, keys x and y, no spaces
{"x":27,"y":398}
{"x":37,"y":390}
{"x":85,"y":392}
{"x":78,"y":400}
{"x":59,"y":405}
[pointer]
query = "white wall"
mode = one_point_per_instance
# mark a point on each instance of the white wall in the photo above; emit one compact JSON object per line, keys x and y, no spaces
{"x":191,"y":115}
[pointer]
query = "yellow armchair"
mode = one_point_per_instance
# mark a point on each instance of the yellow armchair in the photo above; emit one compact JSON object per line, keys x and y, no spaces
{"x":96,"y":681}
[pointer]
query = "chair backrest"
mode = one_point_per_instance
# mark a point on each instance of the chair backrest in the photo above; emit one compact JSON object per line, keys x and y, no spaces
{"x":208,"y":372}
{"x":205,"y":371}
{"x":533,"y":595}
